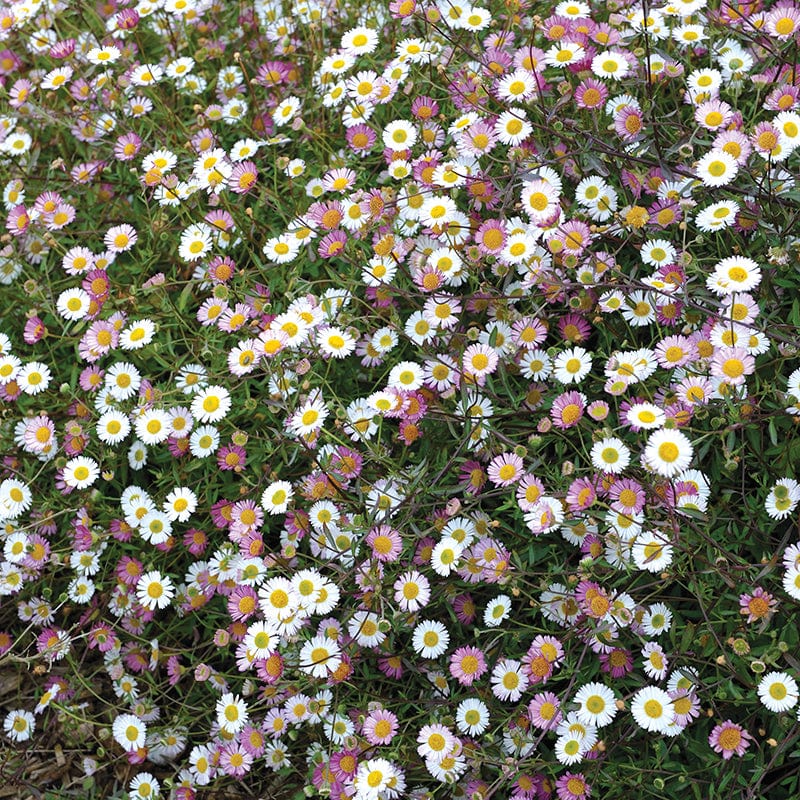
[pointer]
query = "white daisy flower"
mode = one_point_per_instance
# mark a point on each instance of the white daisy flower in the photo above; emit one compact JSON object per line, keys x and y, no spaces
{"x":597,"y":704}
{"x":112,"y":427}
{"x":610,"y":455}
{"x":180,"y":504}
{"x":19,"y":725}
{"x":232,"y":713}
{"x":203,"y":441}
{"x":716,"y":168}
{"x":276,"y":497}
{"x":211,"y":404}
{"x":653,"y":709}
{"x":320,"y":656}
{"x":572,"y":365}
{"x":129,"y":732}
{"x":651,"y":551}
{"x":154,"y":527}
{"x":430,"y":639}
{"x":668,"y":452}
{"x":73,"y":304}
{"x":153,"y":426}
{"x":80,"y":472}
{"x":154,"y":590}
{"x":34,"y":377}
{"x":497,"y":611}
{"x":508,"y":680}
{"x":472,"y":717}
{"x":778,"y":691}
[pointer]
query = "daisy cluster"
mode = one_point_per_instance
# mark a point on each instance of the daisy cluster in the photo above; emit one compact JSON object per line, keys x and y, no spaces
{"x":398,"y":397}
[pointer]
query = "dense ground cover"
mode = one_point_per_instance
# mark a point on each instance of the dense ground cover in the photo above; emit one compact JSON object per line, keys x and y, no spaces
{"x":399,"y":400}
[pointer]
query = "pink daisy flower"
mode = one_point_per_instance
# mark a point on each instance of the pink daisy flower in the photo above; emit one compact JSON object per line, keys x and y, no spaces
{"x":598,"y":410}
{"x":120,"y":238}
{"x":591,"y":94}
{"x":467,"y":664}
{"x":581,"y":494}
{"x":628,"y":123}
{"x":729,"y":739}
{"x":472,"y":477}
{"x":687,"y":706}
{"x":252,"y":741}
{"x":627,"y":496}
{"x":573,"y":786}
{"x":385,"y":542}
{"x":480,"y":360}
{"x":491,"y":237}
{"x":391,"y":666}
{"x":567,"y":409}
{"x":505,"y":469}
{"x":529,"y":492}
{"x":465,"y":608}
{"x":757,"y":605}
{"x":544,"y":711}
{"x":332,"y":244}
{"x":617,"y":662}
{"x":235,"y":760}
{"x":380,"y":727}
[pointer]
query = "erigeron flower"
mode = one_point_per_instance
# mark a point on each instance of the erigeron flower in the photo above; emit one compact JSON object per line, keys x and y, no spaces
{"x":152,"y":426}
{"x":407,"y":375}
{"x":122,"y":380}
{"x":645,"y":416}
{"x":508,"y":680}
{"x":717,"y":216}
{"x":610,"y":65}
{"x":211,"y":404}
{"x":729,"y":739}
{"x":81,"y":472}
{"x":154,"y":590}
{"x":651,"y":551}
{"x":137,"y":334}
{"x":435,"y":741}
{"x":320,"y":656}
{"x":112,"y":427}
{"x":653,"y":709}
{"x":783,"y":498}
{"x":276,"y":497}
{"x":34,"y":377}
{"x":445,"y":555}
{"x":733,"y":275}
{"x":180,"y":504}
{"x":73,"y":304}
{"x":15,"y":498}
{"x":610,"y":455}
{"x":399,"y":135}
{"x":336,"y":342}
{"x":120,"y":238}
{"x":512,"y":126}
{"x":359,"y":41}
{"x":430,"y":638}
{"x":572,"y":365}
{"x":365,"y":628}
{"x":716,"y":168}
{"x":9,"y":368}
{"x":232,"y":714}
{"x":19,"y":725}
{"x":309,"y":417}
{"x":195,"y":242}
{"x":412,"y":591}
{"x":778,"y":691}
{"x":203,"y":441}
{"x":129,"y":731}
{"x":668,"y":452}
